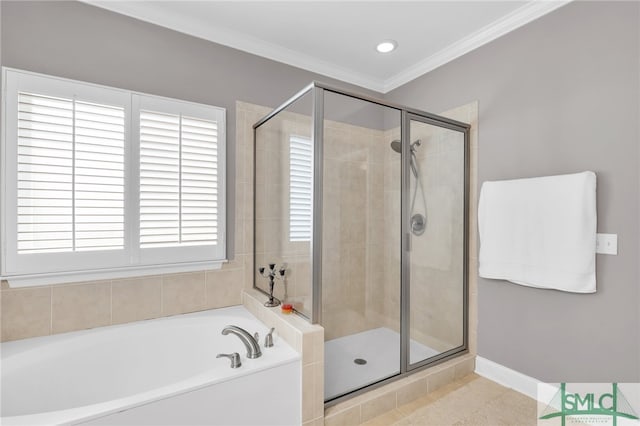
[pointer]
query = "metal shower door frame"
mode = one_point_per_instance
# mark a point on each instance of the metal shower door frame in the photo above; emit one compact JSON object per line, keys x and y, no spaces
{"x":405,"y":298}
{"x":318,"y":91}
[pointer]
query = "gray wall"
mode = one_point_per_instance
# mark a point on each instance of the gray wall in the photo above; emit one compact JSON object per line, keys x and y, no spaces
{"x":559,"y":95}
{"x":83,"y":42}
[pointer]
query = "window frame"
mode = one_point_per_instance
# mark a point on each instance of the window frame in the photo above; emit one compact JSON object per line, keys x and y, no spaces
{"x":151,"y":255}
{"x":23,"y":270}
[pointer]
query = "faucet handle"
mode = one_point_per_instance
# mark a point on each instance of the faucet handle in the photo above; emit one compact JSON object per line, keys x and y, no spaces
{"x":234,"y":357}
{"x":268,"y":339}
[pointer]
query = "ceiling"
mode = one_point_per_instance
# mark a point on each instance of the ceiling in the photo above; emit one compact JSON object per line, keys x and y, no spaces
{"x":338,"y":38}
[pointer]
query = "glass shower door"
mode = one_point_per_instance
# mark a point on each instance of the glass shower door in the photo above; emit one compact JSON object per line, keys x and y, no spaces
{"x":435,"y":232}
{"x":360,"y":243}
{"x":363,"y":205}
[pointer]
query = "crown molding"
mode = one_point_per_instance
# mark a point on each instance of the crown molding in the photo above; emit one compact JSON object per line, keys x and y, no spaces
{"x":516,"y":19}
{"x":145,"y":11}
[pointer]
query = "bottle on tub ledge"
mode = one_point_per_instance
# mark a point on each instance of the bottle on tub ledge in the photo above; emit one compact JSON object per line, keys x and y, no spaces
{"x":287,"y":307}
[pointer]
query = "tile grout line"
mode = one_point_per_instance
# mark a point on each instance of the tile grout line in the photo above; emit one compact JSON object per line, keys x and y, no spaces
{"x":50,"y":310}
{"x":206,"y":293}
{"x":162,"y":295}
{"x":110,"y":302}
{"x":204,"y":289}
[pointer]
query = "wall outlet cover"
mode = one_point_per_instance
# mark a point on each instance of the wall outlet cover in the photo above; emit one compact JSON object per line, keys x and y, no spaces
{"x":607,"y":244}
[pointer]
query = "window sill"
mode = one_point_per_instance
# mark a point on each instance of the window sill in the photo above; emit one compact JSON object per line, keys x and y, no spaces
{"x":107,"y":274}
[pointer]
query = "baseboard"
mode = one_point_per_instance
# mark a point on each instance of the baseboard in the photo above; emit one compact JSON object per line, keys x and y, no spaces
{"x":507,"y":377}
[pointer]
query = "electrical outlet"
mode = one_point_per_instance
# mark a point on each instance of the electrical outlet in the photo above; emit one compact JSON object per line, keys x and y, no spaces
{"x":607,"y":244}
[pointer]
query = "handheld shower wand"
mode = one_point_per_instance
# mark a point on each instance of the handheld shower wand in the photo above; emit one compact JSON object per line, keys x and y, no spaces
{"x":418,"y":220}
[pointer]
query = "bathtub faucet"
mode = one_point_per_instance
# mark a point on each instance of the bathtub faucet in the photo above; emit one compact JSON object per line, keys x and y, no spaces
{"x":253,"y":348}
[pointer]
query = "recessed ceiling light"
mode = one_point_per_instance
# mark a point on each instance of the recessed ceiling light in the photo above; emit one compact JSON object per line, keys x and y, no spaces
{"x":386,"y":46}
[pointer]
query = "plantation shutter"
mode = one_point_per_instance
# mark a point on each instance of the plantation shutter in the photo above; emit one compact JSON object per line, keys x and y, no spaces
{"x":159,"y":179}
{"x":178,"y":180}
{"x":70,"y":175}
{"x":199,"y":185}
{"x":300,"y":189}
{"x":100,"y":182}
{"x":99,"y":177}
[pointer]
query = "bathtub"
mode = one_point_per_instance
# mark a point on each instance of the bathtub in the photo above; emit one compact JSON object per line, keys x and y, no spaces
{"x":157,"y":372}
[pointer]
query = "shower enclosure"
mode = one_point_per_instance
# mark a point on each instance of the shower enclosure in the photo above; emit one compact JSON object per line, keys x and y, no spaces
{"x":360,"y":219}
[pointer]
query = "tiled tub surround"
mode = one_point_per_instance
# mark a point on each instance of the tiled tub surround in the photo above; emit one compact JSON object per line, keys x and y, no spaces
{"x":163,"y":371}
{"x":308,"y":340}
{"x":40,"y":311}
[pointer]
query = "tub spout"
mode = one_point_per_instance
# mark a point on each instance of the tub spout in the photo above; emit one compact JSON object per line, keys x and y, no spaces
{"x":253,"y":348}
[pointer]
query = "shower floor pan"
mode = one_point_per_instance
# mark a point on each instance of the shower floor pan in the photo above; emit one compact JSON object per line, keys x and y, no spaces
{"x":379,"y":347}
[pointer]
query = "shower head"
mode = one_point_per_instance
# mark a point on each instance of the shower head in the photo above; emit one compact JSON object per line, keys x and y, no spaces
{"x":396,"y":145}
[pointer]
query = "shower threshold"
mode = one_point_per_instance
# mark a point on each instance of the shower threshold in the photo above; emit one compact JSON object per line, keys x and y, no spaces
{"x":358,"y":360}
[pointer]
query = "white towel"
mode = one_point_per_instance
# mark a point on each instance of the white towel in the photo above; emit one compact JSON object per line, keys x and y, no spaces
{"x":540,"y":232}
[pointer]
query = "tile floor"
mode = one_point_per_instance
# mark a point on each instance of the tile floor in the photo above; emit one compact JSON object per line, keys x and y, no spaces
{"x":472,"y":400}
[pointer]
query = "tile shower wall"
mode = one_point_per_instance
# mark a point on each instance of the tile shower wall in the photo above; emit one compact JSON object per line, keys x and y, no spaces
{"x":367,"y":406}
{"x":39,"y":311}
{"x":361,"y":222}
{"x":362,"y":242}
{"x":354,"y":225}
{"x":437,"y":269}
{"x":436,"y":285}
{"x":273,"y":241}
{"x":391,"y":263}
{"x":353,"y":219}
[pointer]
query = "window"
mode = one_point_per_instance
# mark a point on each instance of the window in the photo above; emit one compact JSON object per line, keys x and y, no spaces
{"x":181,"y":158}
{"x":97,"y":178}
{"x":70,"y":175}
{"x":300,"y":188}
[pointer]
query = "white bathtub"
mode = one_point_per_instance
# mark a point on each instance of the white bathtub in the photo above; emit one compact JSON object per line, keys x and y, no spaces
{"x":161,"y":371}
